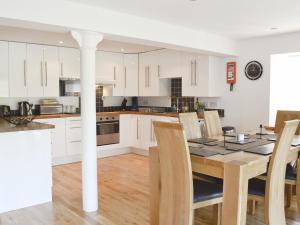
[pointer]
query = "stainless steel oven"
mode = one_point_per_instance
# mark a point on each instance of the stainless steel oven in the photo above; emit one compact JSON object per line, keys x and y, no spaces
{"x":108,"y":130}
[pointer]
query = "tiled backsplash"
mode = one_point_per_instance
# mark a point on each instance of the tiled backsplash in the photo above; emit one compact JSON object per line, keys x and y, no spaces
{"x":176,"y":92}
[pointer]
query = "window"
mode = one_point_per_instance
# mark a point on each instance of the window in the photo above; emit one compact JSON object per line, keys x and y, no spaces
{"x":284,"y":83}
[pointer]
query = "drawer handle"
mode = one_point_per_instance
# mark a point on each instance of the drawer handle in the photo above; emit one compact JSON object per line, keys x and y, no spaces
{"x":75,"y":141}
{"x":75,"y":127}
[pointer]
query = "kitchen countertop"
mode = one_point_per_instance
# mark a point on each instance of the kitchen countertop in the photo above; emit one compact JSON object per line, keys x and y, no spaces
{"x":6,"y":127}
{"x":168,"y":114}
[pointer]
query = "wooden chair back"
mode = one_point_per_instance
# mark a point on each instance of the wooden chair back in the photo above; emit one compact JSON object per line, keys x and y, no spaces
{"x":176,"y":199}
{"x":212,"y":123}
{"x":190,"y":124}
{"x":283,"y":115}
{"x":274,"y":208}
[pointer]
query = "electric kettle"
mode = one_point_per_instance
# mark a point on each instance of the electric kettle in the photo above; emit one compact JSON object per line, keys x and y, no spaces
{"x":25,"y":108}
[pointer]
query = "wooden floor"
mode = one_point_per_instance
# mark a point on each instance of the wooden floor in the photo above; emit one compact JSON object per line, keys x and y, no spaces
{"x":124,"y":198}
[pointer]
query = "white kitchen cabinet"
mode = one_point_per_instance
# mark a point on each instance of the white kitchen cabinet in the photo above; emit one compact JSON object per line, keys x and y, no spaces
{"x":58,"y":136}
{"x":35,"y":71}
{"x":18,"y":76}
{"x":73,"y":136}
{"x":109,"y":68}
{"x":168,"y":63}
{"x":51,"y":71}
{"x":69,"y":63}
{"x":149,"y":82}
{"x":42,"y":71}
{"x":131,"y":75}
{"x":4,"y":91}
{"x":199,"y":75}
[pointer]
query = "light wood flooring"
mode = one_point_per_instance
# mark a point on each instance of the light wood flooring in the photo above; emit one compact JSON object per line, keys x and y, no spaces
{"x":124,"y":198}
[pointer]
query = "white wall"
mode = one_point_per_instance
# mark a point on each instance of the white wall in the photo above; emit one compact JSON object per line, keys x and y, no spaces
{"x":248,"y":105}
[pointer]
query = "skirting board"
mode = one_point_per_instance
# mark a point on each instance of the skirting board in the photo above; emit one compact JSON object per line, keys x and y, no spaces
{"x":100,"y":154}
{"x":139,"y":151}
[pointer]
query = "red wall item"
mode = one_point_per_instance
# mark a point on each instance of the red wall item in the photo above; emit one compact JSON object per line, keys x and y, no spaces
{"x":231,"y":73}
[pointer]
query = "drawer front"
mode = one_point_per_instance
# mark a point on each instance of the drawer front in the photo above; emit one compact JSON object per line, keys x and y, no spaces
{"x":73,"y":134}
{"x":74,"y":148}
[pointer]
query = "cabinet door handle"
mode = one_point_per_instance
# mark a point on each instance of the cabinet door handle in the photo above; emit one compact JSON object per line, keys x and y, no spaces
{"x":125,"y":76}
{"x":61,"y":69}
{"x":195,"y":73}
{"x":149,"y":84}
{"x":114,"y":73}
{"x":146,"y":75}
{"x":25,"y":73}
{"x":46,"y":71}
{"x":158,"y":70}
{"x":42,"y":80}
{"x":192,"y":73}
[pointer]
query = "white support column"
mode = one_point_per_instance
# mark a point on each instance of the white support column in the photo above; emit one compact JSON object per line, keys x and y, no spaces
{"x":88,"y":42}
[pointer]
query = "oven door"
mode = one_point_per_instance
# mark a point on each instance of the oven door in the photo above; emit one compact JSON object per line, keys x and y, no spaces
{"x":108,"y":133}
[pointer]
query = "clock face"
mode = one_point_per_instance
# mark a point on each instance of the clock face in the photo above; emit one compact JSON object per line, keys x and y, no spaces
{"x":253,"y":70}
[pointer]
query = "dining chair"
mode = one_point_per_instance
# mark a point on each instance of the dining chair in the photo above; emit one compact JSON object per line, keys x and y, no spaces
{"x":180,"y":195}
{"x":271,"y":190}
{"x":213,"y":124}
{"x":190,"y":124}
{"x":291,"y":171}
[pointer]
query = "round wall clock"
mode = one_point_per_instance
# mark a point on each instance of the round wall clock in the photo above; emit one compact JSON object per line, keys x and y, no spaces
{"x":253,"y":70}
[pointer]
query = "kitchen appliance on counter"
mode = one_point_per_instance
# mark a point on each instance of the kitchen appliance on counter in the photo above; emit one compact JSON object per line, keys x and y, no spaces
{"x":108,"y":130}
{"x":4,"y":110}
{"x":25,"y":108}
{"x":49,"y":106}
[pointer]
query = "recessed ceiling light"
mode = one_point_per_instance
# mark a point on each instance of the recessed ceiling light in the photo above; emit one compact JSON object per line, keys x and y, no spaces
{"x":122,"y":50}
{"x":193,"y":0}
{"x":61,"y":42}
{"x":274,"y":28}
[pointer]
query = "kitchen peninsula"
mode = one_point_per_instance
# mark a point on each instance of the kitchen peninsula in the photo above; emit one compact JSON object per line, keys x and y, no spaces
{"x":25,"y":165}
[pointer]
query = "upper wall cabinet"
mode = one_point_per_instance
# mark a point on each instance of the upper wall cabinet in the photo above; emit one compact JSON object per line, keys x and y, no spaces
{"x":4,"y":91}
{"x":18,"y":79}
{"x":199,"y":74}
{"x":109,"y":68}
{"x":69,"y":63}
{"x":168,"y":63}
{"x":150,"y":83}
{"x":42,"y":71}
{"x":33,"y":70}
{"x":131,"y":75}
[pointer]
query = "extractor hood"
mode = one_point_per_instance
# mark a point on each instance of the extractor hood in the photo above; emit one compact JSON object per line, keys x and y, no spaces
{"x":105,"y":82}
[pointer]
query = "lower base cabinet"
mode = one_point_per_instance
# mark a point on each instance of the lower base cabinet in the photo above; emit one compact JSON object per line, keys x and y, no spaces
{"x":65,"y":139}
{"x":137,"y":130}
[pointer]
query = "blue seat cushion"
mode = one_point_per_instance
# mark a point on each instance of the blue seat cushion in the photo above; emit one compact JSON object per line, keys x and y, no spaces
{"x":257,"y":187}
{"x":204,"y":191}
{"x":290,"y":174}
{"x":209,"y":178}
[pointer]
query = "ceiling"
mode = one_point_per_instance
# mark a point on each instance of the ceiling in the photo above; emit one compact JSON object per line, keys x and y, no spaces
{"x":236,"y":19}
{"x":64,"y":38}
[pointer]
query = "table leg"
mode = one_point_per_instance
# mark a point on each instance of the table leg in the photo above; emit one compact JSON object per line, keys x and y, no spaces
{"x":154,"y":186}
{"x":235,"y":194}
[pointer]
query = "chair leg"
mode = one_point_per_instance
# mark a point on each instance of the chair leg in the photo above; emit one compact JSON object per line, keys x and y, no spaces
{"x":251,"y":207}
{"x":217,"y":211}
{"x":289,"y":193}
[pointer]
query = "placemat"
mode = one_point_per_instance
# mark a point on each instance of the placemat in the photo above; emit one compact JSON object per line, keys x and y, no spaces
{"x":199,"y":151}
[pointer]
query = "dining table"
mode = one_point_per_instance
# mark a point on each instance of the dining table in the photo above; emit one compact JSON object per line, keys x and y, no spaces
{"x":235,"y":168}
